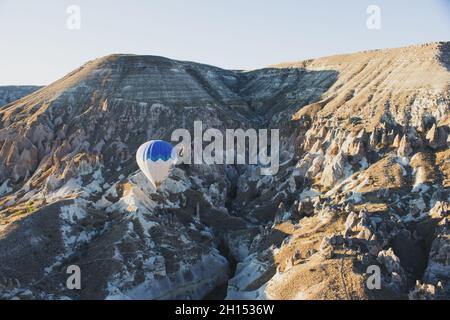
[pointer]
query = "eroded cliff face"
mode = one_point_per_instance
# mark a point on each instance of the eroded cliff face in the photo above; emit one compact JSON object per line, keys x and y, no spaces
{"x":10,"y":94}
{"x":364,"y":180}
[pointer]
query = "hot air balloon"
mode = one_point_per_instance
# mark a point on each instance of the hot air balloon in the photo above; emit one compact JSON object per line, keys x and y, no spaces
{"x":155,"y":158}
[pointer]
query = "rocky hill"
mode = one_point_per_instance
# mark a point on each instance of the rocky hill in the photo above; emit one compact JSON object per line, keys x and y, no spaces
{"x":12,"y":93}
{"x":364,"y":181}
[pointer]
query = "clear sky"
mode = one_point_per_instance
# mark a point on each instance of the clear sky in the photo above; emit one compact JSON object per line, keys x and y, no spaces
{"x":36,"y":47}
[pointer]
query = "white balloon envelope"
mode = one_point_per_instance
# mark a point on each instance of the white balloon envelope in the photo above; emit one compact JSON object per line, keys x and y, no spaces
{"x":155,"y":158}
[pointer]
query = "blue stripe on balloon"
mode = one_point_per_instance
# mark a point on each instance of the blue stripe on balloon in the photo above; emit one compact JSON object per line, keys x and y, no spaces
{"x":159,"y":150}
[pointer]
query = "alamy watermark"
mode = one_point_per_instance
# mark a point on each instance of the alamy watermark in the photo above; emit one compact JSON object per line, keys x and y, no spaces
{"x":230,"y":147}
{"x":73,"y":21}
{"x":73,"y":282}
{"x":373,"y":21}
{"x":374,"y":279}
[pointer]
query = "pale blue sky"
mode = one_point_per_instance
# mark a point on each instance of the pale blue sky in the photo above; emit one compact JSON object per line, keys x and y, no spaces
{"x":37,"y":48}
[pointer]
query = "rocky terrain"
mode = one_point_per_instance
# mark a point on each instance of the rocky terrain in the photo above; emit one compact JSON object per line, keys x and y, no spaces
{"x":9,"y":94}
{"x":364,"y":180}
